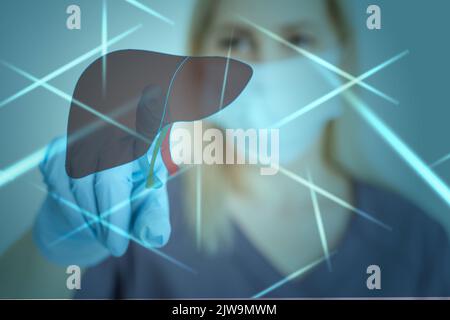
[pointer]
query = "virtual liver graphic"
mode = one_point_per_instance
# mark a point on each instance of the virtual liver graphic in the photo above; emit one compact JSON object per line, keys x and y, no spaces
{"x":118,"y":108}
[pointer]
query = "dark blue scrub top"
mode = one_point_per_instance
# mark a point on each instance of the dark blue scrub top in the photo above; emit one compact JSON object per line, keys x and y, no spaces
{"x":414,"y":259}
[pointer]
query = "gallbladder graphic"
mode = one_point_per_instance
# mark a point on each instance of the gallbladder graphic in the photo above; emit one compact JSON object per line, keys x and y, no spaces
{"x":126,"y":99}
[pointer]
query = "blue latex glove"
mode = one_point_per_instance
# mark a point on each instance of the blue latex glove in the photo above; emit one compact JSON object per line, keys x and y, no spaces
{"x":146,"y":217}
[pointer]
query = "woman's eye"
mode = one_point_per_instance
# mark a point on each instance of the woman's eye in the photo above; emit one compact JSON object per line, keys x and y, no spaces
{"x":235,"y":44}
{"x":301,"y":40}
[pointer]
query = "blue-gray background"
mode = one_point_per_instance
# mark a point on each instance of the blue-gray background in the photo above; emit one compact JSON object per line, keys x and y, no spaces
{"x":34,"y":37}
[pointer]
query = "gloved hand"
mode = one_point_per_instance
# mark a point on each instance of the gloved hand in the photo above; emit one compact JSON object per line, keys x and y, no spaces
{"x":83,"y":221}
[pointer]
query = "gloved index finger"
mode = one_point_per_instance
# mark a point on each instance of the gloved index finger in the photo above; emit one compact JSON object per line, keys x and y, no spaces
{"x":113,"y":195}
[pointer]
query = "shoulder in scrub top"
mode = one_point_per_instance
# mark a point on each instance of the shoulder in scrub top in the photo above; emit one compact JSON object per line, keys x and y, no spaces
{"x":414,"y":259}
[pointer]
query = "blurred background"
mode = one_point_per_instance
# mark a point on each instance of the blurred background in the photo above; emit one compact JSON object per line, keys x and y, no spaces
{"x":34,"y":37}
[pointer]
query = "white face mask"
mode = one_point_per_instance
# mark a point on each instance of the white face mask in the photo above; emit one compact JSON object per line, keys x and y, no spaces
{"x":277,"y":90}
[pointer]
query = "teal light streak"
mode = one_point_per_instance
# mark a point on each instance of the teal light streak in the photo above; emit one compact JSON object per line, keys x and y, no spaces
{"x":225,"y":75}
{"x":440,"y":161}
{"x":21,"y":167}
{"x":198,"y":190}
{"x":320,"y":226}
{"x":114,"y":209}
{"x":290,"y":277}
{"x":150,"y":11}
{"x":67,"y":67}
{"x":405,"y":152}
{"x":332,"y":197}
{"x":113,"y":228}
{"x":29,"y":162}
{"x":104,"y":44}
{"x":318,"y":60}
{"x":337,"y":91}
{"x":77,"y":102}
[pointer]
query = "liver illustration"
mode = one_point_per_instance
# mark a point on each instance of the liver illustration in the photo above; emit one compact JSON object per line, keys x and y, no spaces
{"x":116,"y":115}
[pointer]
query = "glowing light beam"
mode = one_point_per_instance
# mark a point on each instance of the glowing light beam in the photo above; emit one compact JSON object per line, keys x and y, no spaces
{"x":332,"y":197}
{"x":112,"y":210}
{"x":22,"y":166}
{"x":198,"y":190}
{"x":67,"y":67}
{"x":31,"y":161}
{"x":225,"y":75}
{"x":320,"y":227}
{"x":290,"y":277}
{"x":440,"y":161}
{"x":402,"y":149}
{"x":114,"y":228}
{"x":318,"y":60}
{"x":337,"y":91}
{"x":77,"y":102}
{"x":104,"y":44}
{"x":150,"y":11}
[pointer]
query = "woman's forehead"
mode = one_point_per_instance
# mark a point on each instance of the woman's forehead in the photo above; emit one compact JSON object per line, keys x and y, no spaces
{"x":273,"y":14}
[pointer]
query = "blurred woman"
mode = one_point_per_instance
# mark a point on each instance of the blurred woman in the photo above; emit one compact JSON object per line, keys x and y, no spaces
{"x":256,"y":230}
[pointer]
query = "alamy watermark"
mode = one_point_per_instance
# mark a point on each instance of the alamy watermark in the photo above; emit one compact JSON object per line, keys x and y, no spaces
{"x":237,"y":146}
{"x":374,"y":280}
{"x":73,"y":281}
{"x":73,"y":21}
{"x":373,"y":21}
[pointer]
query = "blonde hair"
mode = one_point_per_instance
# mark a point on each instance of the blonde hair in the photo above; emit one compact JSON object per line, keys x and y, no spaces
{"x":219,"y":182}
